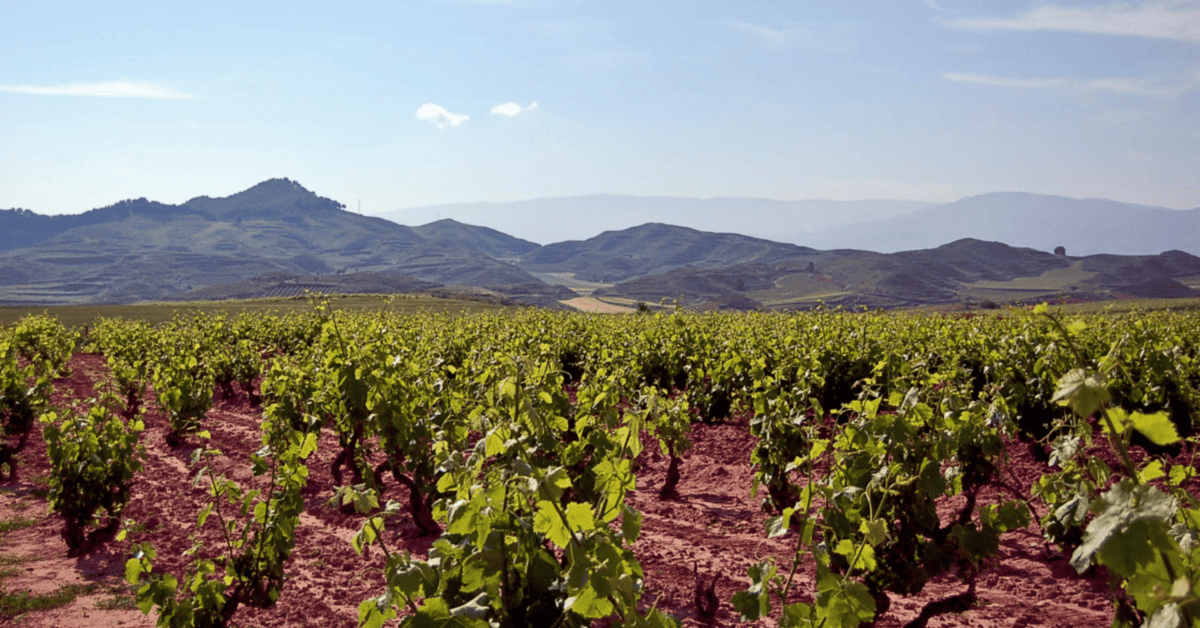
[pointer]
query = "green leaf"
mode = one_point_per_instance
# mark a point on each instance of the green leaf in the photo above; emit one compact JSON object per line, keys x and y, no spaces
{"x":309,"y":445}
{"x":631,"y":524}
{"x":1151,"y":472}
{"x":588,"y":604}
{"x":1157,"y":427}
{"x":366,"y":535}
{"x":755,"y":602}
{"x":1167,"y":616}
{"x":1125,"y":551}
{"x":477,"y":608}
{"x":1119,"y":419}
{"x":546,"y":522}
{"x":1123,"y":505}
{"x":863,"y":559}
{"x":433,"y":608}
{"x":204,"y":513}
{"x":844,"y":605}
{"x":581,"y":517}
{"x":373,"y":612}
{"x":1084,"y":392}
{"x":874,"y":531}
{"x":778,"y":526}
{"x":133,"y":570}
{"x":798,"y":615}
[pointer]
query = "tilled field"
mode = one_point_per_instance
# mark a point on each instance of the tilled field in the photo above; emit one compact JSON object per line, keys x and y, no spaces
{"x":714,"y":529}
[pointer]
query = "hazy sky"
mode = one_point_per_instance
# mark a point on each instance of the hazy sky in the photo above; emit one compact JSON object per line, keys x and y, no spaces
{"x":408,"y":103}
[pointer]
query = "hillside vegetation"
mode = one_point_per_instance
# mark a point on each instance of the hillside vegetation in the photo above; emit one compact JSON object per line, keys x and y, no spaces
{"x":278,"y":239}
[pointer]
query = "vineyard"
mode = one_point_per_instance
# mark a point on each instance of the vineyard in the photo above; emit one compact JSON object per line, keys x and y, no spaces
{"x":1026,"y":468}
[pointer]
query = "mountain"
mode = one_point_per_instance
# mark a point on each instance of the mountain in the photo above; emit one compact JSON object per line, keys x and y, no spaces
{"x":653,"y":248}
{"x":1083,"y":226}
{"x":277,"y":238}
{"x":143,"y":250}
{"x":455,"y":234}
{"x":548,"y":220}
{"x":961,"y":272}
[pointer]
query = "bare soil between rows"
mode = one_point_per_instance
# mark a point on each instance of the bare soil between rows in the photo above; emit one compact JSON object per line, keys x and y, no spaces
{"x":714,"y":528}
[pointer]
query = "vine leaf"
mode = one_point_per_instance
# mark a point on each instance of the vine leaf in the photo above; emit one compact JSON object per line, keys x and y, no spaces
{"x":1168,"y":616}
{"x":755,"y":601}
{"x":874,"y":531}
{"x":843,"y":604}
{"x":1084,"y":392}
{"x":1157,"y":427}
{"x":631,"y":524}
{"x":1118,"y":509}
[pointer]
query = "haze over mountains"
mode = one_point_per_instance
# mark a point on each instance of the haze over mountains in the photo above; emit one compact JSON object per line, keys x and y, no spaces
{"x":1087,"y":226}
{"x":1083,"y":226}
{"x":278,"y":238}
{"x":547,"y":220}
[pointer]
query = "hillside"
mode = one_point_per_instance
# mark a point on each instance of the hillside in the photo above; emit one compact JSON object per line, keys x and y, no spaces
{"x":651,"y":249}
{"x":556,"y":219}
{"x":960,"y":273}
{"x":142,"y":250}
{"x":277,"y":238}
{"x":454,"y":234}
{"x":1083,"y":226}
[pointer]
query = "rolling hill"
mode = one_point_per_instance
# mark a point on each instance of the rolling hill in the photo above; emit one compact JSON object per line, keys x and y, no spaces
{"x":963,"y":272}
{"x":454,"y":234}
{"x":277,"y":238}
{"x":547,"y":220}
{"x":141,"y":250}
{"x":654,"y":248}
{"x":1083,"y":226}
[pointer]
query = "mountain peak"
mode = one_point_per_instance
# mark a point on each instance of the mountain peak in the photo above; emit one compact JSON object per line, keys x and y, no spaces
{"x":279,"y":186}
{"x":271,"y":195}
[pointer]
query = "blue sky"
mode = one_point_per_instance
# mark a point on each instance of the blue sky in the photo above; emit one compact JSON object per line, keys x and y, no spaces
{"x":402,"y":104}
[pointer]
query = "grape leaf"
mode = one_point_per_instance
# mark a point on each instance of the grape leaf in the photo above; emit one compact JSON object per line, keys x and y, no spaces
{"x":1084,"y":392}
{"x":631,"y":524}
{"x":1125,"y":504}
{"x":755,"y":602}
{"x":1157,"y":427}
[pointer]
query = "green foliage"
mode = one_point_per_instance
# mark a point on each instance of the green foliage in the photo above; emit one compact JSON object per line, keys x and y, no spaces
{"x":1145,"y":536}
{"x":258,"y":527}
{"x":32,"y":354}
{"x":532,"y":486}
{"x":93,"y":460}
{"x":515,"y":438}
{"x":184,"y":388}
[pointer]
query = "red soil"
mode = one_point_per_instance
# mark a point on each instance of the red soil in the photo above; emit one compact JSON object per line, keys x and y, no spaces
{"x":715,"y":525}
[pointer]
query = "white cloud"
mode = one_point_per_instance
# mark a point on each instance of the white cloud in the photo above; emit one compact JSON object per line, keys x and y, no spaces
{"x":936,"y":7}
{"x":830,"y":37}
{"x":439,"y":116}
{"x":1165,"y":19}
{"x":768,"y":36}
{"x":1119,"y":85}
{"x":511,"y":109}
{"x":104,"y":89}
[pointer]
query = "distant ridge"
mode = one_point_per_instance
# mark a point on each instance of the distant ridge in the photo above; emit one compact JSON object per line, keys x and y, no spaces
{"x":1083,"y":226}
{"x":547,"y":220}
{"x":482,"y":239}
{"x":142,"y":250}
{"x":654,"y":248}
{"x":279,"y":238}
